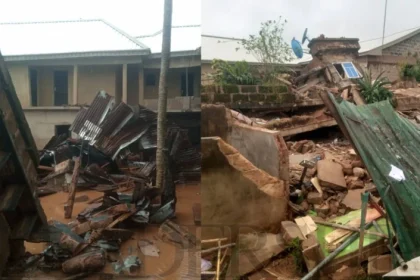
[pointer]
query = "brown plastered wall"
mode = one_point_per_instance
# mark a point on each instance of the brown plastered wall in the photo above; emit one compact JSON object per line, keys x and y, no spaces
{"x":265,"y":148}
{"x":237,"y":197}
{"x":92,"y":79}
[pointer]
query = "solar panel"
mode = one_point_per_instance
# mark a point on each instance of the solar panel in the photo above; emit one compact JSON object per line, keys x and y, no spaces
{"x":350,"y":70}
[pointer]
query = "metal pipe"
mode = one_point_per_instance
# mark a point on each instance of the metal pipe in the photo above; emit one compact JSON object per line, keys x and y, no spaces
{"x":337,"y":251}
{"x":400,"y":260}
{"x":350,"y":228}
{"x":365,"y":198}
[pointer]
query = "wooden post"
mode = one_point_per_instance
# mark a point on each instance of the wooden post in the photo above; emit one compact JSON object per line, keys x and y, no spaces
{"x":124,"y":83}
{"x":68,"y":208}
{"x":75,"y":83}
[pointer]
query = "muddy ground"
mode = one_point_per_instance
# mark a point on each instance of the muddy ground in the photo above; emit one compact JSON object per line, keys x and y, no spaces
{"x":172,"y":263}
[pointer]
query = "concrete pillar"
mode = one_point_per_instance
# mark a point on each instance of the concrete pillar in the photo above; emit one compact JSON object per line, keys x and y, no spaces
{"x":75,"y":83}
{"x":141,"y":85}
{"x":124,"y":83}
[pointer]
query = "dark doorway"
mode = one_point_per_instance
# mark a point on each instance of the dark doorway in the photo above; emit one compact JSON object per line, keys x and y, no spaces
{"x":187,"y":85}
{"x":33,"y":76}
{"x":62,"y":129}
{"x":61,"y":93}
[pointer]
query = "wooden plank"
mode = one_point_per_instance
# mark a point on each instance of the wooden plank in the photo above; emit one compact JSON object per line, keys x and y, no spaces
{"x":339,"y":234}
{"x":68,"y":208}
{"x":10,"y":197}
{"x":24,"y":227}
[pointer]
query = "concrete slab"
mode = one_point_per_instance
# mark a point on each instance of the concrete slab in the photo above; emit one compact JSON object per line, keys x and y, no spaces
{"x":330,"y":174}
{"x":290,"y":231}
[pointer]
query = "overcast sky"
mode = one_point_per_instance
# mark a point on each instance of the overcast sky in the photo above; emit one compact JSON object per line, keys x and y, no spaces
{"x":333,"y":18}
{"x":137,"y":17}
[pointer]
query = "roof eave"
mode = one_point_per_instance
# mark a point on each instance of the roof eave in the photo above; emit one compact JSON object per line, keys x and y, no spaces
{"x":76,"y":55}
{"x":195,"y":52}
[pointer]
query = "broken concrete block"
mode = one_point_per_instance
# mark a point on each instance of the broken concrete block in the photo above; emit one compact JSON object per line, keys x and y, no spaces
{"x":313,"y":256}
{"x":305,"y":205}
{"x":379,"y":265}
{"x":347,"y":168}
{"x":357,"y":163}
{"x":290,"y":231}
{"x":353,"y":199}
{"x":345,"y":272}
{"x":310,"y":241}
{"x":357,"y":184}
{"x":314,"y":198}
{"x":359,"y":172}
{"x":330,"y":174}
{"x":322,"y":208}
{"x":333,"y":207}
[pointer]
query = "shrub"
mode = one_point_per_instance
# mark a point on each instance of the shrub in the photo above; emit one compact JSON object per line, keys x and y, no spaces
{"x":237,"y":73}
{"x":374,"y":90}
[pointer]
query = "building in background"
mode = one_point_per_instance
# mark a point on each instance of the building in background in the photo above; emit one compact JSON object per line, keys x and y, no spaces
{"x":58,"y":66}
{"x":399,"y":48}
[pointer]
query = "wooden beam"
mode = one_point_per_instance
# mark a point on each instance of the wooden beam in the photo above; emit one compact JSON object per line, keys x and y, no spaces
{"x":68,"y":208}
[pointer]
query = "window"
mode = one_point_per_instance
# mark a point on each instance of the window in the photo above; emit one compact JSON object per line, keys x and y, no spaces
{"x":187,"y":84}
{"x":347,"y":70}
{"x":150,"y":80}
{"x":350,"y":70}
{"x":33,"y":75}
{"x":61,"y":93}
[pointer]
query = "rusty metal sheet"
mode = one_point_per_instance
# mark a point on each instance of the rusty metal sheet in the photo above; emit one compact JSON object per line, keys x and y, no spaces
{"x":88,"y":121}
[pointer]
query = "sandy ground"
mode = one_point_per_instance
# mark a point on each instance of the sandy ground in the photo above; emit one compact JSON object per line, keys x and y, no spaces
{"x":172,"y":263}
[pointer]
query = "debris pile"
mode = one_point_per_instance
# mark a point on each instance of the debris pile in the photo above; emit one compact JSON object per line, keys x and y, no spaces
{"x":112,"y":151}
{"x":332,"y":182}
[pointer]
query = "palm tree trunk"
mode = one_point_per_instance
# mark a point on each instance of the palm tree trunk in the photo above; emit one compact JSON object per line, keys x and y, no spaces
{"x":162,"y":101}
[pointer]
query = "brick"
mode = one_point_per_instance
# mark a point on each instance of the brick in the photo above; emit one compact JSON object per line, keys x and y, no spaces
{"x":290,"y":231}
{"x":345,"y":273}
{"x":322,"y":209}
{"x":353,"y":199}
{"x":330,"y":174}
{"x":314,"y":198}
{"x":359,"y":172}
{"x":357,"y":184}
{"x":347,"y":168}
{"x":379,"y":265}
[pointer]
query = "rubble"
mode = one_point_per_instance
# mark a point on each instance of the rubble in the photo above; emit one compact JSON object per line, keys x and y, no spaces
{"x":111,"y":151}
{"x":379,"y":265}
{"x":290,"y":231}
{"x":330,"y":174}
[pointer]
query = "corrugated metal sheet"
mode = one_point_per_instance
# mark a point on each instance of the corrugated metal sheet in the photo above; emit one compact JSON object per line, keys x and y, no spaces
{"x":87,"y":122}
{"x":62,"y":37}
{"x":183,"y":38}
{"x":383,"y":138}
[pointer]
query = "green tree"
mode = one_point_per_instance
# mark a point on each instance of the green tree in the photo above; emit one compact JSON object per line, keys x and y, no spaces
{"x":269,"y":47}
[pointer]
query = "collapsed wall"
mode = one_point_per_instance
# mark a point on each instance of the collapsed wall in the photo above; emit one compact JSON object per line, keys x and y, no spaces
{"x":245,"y":174}
{"x":264,"y":148}
{"x":237,"y":196}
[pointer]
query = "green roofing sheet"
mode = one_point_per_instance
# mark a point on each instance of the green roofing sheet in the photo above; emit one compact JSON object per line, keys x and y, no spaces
{"x":383,"y":138}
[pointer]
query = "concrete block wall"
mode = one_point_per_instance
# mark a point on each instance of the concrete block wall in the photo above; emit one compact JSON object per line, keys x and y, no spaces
{"x":407,"y":47}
